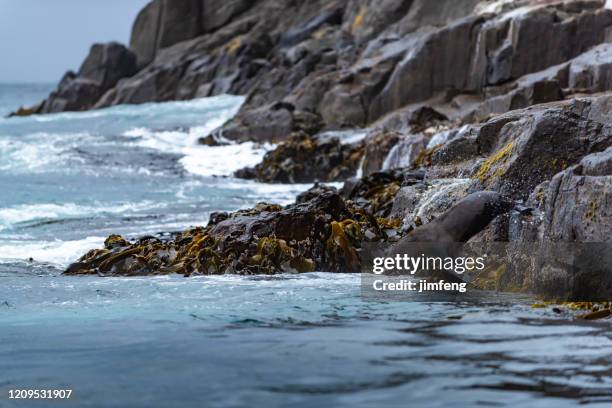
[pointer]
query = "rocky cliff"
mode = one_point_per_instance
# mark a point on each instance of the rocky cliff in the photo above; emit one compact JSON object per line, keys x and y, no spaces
{"x":338,"y":63}
{"x":425,"y":101}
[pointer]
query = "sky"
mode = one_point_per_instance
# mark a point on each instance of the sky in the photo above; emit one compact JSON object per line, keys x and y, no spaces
{"x":42,"y":39}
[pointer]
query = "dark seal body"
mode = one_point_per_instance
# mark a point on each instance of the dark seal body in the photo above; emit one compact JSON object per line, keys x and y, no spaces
{"x":444,"y":236}
{"x":465,"y":219}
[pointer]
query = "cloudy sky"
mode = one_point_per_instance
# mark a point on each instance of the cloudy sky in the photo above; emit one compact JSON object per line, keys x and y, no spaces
{"x":41,"y":39}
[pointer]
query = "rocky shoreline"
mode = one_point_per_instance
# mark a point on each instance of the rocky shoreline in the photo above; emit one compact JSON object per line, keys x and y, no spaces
{"x":414,"y":104}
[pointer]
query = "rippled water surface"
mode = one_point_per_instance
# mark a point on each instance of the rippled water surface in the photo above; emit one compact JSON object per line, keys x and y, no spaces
{"x":68,"y":180}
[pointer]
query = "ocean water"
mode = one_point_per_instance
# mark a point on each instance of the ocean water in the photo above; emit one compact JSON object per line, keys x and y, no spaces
{"x":69,"y":180}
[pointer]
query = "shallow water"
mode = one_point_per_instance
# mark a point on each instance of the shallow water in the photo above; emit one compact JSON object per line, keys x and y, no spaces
{"x":69,"y":180}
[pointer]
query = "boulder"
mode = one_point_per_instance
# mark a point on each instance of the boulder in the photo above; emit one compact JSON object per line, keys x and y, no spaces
{"x":268,"y":123}
{"x":536,"y":143}
{"x":578,"y":202}
{"x":320,"y":232}
{"x":105,"y":65}
{"x":514,"y":152}
{"x":163,"y":23}
{"x":144,"y":38}
{"x":567,"y":235}
{"x":302,"y":158}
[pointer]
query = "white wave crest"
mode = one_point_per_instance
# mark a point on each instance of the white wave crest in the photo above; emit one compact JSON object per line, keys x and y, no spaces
{"x":36,"y":151}
{"x":56,"y":252}
{"x":41,"y":142}
{"x":199,"y":159}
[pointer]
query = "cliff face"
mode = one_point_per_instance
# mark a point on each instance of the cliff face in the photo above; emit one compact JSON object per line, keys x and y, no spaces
{"x":335,"y":63}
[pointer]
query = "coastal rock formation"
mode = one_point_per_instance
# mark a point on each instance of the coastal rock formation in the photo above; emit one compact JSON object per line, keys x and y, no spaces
{"x":321,"y":231}
{"x":570,"y":223}
{"x":577,"y":208}
{"x":302,"y":158}
{"x":415,"y":104}
{"x":105,"y":65}
{"x":163,"y":23}
{"x":350,"y":62}
{"x":576,"y":205}
{"x":514,"y":152}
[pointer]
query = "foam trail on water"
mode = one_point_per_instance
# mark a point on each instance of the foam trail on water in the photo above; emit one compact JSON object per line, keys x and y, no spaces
{"x":41,"y":142}
{"x":56,"y":252}
{"x":37,"y":151}
{"x":199,"y":159}
{"x":45,"y":211}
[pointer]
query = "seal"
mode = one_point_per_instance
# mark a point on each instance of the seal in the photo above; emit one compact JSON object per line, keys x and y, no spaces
{"x":465,"y":219}
{"x":444,"y":236}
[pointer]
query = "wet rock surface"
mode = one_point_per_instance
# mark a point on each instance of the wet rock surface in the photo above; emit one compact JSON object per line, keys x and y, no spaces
{"x":514,"y":152}
{"x":302,"y":158}
{"x":321,"y":231}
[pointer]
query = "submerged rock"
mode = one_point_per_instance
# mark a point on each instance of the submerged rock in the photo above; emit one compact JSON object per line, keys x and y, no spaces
{"x":212,"y":140}
{"x":23,"y":111}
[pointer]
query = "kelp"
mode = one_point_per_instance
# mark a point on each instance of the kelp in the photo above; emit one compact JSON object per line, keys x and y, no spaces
{"x":321,"y":231}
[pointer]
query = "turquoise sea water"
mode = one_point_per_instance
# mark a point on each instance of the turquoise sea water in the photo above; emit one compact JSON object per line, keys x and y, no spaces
{"x":69,"y":180}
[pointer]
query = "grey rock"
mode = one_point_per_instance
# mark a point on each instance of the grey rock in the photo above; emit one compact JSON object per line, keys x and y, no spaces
{"x":216,"y":14}
{"x":144,"y":37}
{"x":105,"y":65}
{"x":514,"y":152}
{"x":410,"y":83}
{"x":579,"y":202}
{"x":592,"y":71}
{"x":571,"y":225}
{"x":377,"y":148}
